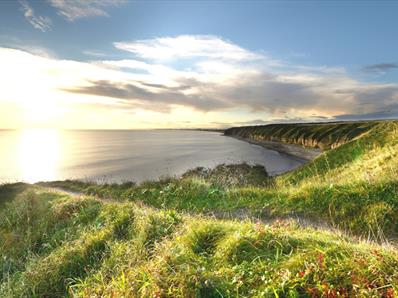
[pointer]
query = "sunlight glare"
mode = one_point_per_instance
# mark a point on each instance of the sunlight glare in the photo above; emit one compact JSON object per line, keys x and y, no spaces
{"x":39,"y":154}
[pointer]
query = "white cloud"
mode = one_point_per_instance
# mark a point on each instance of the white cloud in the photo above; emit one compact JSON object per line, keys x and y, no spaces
{"x":220,"y":75}
{"x":188,"y":46}
{"x":243,"y":86}
{"x":94,"y":53}
{"x":76,"y":9}
{"x":38,"y":22}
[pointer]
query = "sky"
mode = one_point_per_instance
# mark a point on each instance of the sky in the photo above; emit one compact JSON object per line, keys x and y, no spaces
{"x":118,"y":64}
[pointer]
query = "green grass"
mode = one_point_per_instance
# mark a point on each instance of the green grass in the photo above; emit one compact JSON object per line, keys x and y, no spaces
{"x":319,"y":135}
{"x":9,"y":191}
{"x":188,"y":237}
{"x":352,"y":187}
{"x":125,"y":249}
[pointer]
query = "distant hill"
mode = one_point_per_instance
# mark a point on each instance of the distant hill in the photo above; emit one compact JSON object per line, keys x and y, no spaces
{"x":315,"y":135}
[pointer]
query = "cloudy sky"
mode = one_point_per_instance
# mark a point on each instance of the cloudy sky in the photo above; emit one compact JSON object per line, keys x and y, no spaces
{"x":146,"y":64}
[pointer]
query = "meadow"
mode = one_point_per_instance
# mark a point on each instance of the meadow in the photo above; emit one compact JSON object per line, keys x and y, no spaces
{"x":326,"y":229}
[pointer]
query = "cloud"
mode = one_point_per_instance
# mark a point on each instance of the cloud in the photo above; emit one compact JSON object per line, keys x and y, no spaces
{"x":368,"y":116}
{"x":221,"y":76}
{"x":94,"y":53}
{"x":225,"y":86}
{"x":239,"y":123}
{"x":76,"y":9}
{"x":379,"y":68}
{"x":38,"y":22}
{"x":256,"y":122}
{"x":160,"y":99}
{"x":187,"y":46}
{"x":262,"y":92}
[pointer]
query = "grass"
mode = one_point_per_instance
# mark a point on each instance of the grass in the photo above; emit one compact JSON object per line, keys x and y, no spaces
{"x":352,"y":187}
{"x":9,"y":191}
{"x":126,"y":249}
{"x":319,"y":135}
{"x":227,"y":232}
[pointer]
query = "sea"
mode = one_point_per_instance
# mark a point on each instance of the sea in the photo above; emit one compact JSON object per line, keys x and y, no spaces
{"x":107,"y":156}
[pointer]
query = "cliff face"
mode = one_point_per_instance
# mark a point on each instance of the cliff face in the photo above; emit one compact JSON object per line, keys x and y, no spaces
{"x":320,"y":135}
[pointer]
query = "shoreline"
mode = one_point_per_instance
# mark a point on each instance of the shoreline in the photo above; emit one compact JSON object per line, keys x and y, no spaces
{"x":299,"y":153}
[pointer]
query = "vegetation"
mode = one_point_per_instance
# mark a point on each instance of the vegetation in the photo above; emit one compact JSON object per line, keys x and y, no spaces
{"x":326,"y":229}
{"x":9,"y":191}
{"x":320,"y":135}
{"x":54,"y":246}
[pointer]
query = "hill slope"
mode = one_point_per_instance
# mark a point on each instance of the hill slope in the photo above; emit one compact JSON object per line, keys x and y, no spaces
{"x":168,"y":238}
{"x":320,"y":135}
{"x":54,"y":245}
{"x":352,"y":187}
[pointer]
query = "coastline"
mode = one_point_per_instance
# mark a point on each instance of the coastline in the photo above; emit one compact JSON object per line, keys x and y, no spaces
{"x":302,"y":154}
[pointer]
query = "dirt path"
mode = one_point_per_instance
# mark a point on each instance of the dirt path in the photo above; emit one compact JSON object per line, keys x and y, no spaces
{"x":238,"y":214}
{"x":243,"y":215}
{"x":247,"y":214}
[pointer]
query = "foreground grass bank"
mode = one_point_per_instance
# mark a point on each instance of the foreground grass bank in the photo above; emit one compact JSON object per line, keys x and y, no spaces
{"x":189,"y":237}
{"x":54,"y":245}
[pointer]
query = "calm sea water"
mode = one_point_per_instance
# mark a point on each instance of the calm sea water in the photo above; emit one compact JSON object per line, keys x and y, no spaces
{"x":43,"y":155}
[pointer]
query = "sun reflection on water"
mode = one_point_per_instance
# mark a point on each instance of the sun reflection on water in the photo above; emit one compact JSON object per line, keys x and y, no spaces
{"x":39,"y":154}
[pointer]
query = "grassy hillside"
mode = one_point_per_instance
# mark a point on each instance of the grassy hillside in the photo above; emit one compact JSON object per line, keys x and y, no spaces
{"x":319,"y":231}
{"x":54,"y":245}
{"x":352,"y":187}
{"x":321,"y":135}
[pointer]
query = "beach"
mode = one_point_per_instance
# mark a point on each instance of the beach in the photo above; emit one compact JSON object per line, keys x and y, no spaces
{"x":299,"y":153}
